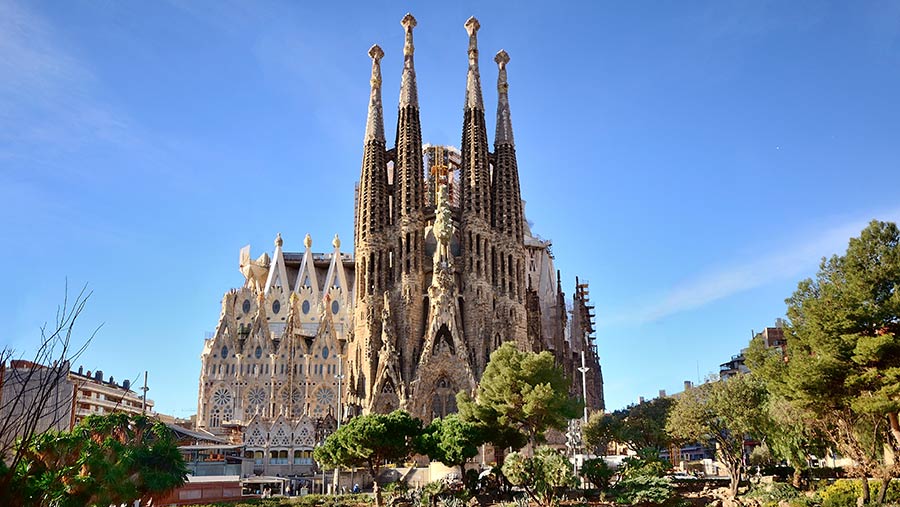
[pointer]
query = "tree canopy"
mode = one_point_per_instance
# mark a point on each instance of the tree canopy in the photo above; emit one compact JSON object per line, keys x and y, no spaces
{"x":542,"y":476}
{"x":723,"y":412}
{"x":105,"y":460}
{"x":520,"y":396}
{"x":368,"y":441}
{"x":641,"y":426}
{"x":451,"y":441}
{"x":842,"y":362}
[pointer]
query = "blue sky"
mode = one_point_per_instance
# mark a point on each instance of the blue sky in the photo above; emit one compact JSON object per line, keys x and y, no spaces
{"x":691,"y":160}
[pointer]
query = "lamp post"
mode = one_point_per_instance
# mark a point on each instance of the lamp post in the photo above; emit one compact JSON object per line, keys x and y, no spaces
{"x":584,"y":369}
{"x":340,"y":379}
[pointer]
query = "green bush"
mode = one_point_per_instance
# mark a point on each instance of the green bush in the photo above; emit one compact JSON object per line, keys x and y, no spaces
{"x":846,"y":491}
{"x":396,"y":488}
{"x":841,"y":493}
{"x":598,"y":472}
{"x":771,"y":495}
{"x":544,"y":476}
{"x":646,"y":464}
{"x":644,"y":490}
{"x":316,"y":500}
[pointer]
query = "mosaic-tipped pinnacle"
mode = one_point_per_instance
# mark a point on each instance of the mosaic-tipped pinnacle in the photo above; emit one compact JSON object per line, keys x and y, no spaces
{"x":375,"y":52}
{"x":472,"y":25}
{"x":408,"y":22}
{"x":502,"y":58}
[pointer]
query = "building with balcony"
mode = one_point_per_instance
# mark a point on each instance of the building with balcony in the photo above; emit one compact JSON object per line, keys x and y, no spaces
{"x":95,"y":395}
{"x":60,"y":398}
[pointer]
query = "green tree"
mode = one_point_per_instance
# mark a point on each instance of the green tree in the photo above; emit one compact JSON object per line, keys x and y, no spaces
{"x":35,"y":397}
{"x":602,"y":429}
{"x":520,"y":396}
{"x":843,"y":351}
{"x":369,"y":441}
{"x":542,"y":476}
{"x":451,"y":441}
{"x":723,"y":412}
{"x":790,"y":433}
{"x":105,"y":460}
{"x":641,"y":426}
{"x":598,"y":472}
{"x":644,"y":425}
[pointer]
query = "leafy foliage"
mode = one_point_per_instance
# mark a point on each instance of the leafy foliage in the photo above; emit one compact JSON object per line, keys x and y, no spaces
{"x":34,"y":399}
{"x":644,"y":490}
{"x":847,"y":491}
{"x":368,"y":441}
{"x":723,"y":412}
{"x":841,"y":371}
{"x":451,"y":441}
{"x":646,"y":464}
{"x":601,"y":429}
{"x":644,"y":425}
{"x":520,"y":396}
{"x":639,"y":427}
{"x":104,"y":460}
{"x":542,"y":476}
{"x":642,"y":480}
{"x":775,"y":494}
{"x":598,"y":472}
{"x":790,"y":432}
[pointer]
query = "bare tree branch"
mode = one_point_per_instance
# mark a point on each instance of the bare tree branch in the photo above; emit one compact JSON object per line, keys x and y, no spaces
{"x":36,"y":393}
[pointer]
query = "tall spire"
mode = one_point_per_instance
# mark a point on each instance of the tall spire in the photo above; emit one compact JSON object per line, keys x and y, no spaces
{"x":372,"y":200}
{"x":409,"y":188}
{"x":473,"y":81}
{"x":408,"y":93}
{"x":505,"y":195}
{"x":375,"y":120}
{"x":475,"y":191}
{"x":504,"y":133}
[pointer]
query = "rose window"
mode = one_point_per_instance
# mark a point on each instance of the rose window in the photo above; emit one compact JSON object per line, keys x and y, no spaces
{"x":221,"y":397}
{"x":325,"y":396}
{"x":293,"y":396}
{"x":256,"y":396}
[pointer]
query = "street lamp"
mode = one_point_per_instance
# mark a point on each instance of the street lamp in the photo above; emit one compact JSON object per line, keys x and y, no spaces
{"x":342,"y":343}
{"x":584,"y":369}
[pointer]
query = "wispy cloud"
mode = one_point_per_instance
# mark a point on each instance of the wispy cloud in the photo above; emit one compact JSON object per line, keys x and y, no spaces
{"x":785,"y":261}
{"x":47,"y":96}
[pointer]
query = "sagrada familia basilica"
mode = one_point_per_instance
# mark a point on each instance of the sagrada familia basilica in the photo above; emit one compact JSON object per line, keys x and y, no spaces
{"x":444,"y":269}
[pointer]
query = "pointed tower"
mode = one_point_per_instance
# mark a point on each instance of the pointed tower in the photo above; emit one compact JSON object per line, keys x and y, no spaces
{"x":475,"y":214}
{"x":476,"y":197}
{"x":372,"y":228}
{"x":505,"y":195}
{"x":508,"y":274}
{"x":409,"y":205}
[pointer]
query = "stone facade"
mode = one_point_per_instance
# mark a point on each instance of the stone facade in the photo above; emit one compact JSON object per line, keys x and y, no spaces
{"x":276,"y":349}
{"x":443,"y":281}
{"x":445,"y":269}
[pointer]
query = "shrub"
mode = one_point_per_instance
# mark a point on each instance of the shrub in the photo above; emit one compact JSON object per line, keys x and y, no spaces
{"x":598,"y":472}
{"x":846,"y":491}
{"x":771,"y":495}
{"x":396,"y":488}
{"x":840,"y":494}
{"x":543,"y":476}
{"x":646,"y":464}
{"x":442,"y":492}
{"x":644,"y":489}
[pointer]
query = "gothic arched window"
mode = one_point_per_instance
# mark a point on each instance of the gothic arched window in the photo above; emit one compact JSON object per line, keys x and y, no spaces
{"x":443,"y":402}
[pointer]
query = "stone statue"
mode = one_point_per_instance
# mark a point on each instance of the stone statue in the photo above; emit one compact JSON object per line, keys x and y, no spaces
{"x":254,"y":272}
{"x":443,"y":228}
